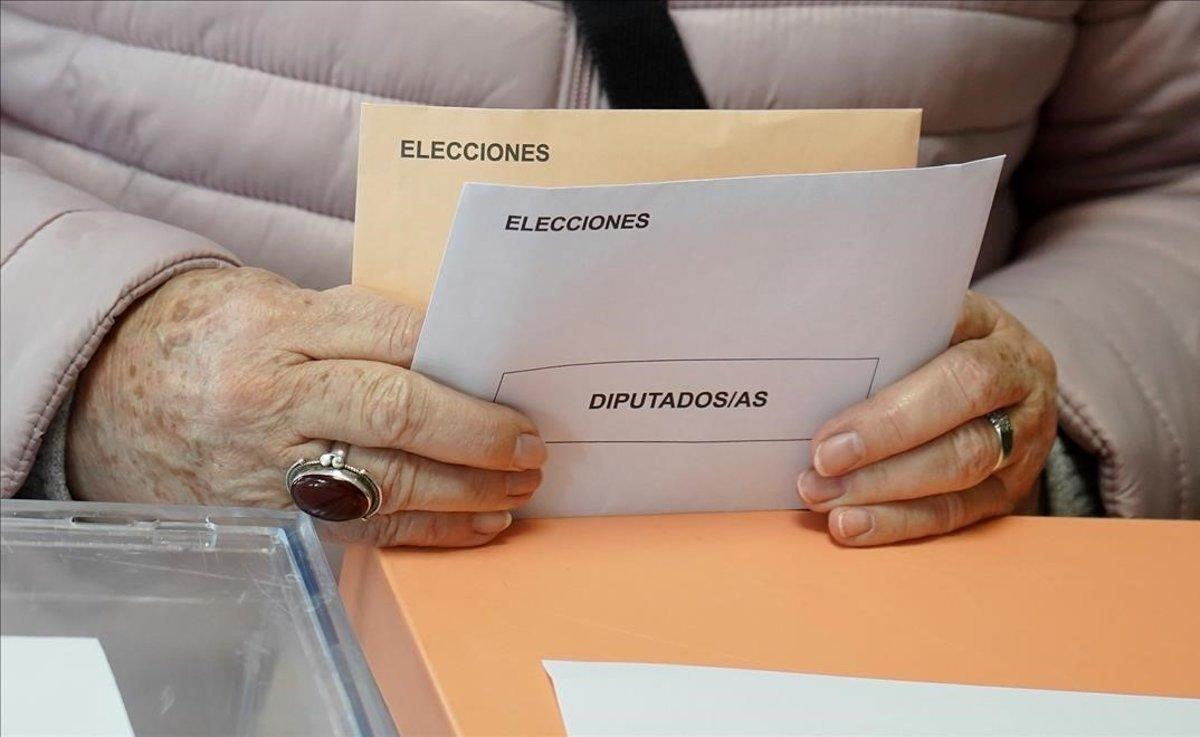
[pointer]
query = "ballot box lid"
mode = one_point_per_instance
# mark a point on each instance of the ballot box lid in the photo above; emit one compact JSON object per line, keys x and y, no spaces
{"x":214,"y":621}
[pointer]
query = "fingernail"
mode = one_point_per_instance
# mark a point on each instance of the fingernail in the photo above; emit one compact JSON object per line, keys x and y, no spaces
{"x":489,"y":523}
{"x":839,"y":453}
{"x":523,"y":482}
{"x":853,"y":522}
{"x":530,"y":453}
{"x":815,"y":489}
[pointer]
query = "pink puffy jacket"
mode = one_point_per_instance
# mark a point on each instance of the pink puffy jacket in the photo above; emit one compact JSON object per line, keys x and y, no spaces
{"x":143,"y":139}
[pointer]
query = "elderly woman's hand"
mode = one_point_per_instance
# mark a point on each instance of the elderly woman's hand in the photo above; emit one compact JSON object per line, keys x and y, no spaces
{"x":919,"y":458}
{"x":210,"y":387}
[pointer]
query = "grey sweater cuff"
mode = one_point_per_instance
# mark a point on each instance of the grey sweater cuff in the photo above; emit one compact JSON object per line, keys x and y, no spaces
{"x":1071,"y":481}
{"x":48,"y":477}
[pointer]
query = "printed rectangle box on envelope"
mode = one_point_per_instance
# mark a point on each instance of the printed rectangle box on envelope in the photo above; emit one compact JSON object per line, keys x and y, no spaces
{"x":660,"y":401}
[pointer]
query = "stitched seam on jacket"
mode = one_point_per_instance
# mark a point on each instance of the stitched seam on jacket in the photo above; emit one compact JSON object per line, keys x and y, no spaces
{"x":39,"y":229}
{"x":578,"y":61}
{"x":1182,"y":464}
{"x":68,"y":376}
{"x":588,"y":82}
{"x":1170,"y":256}
{"x":892,"y":4}
{"x":565,"y":67}
{"x":214,"y":187}
{"x":134,"y":44}
{"x":1153,"y":400}
{"x":1140,"y":286}
{"x":138,"y":171}
{"x":982,"y":130}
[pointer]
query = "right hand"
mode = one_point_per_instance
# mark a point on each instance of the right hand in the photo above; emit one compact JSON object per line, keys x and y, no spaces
{"x":212,"y":385}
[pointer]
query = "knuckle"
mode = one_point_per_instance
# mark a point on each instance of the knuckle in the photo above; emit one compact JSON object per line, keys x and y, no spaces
{"x":400,"y":482}
{"x":253,"y":303}
{"x":313,"y":379}
{"x":1040,"y":357}
{"x":402,"y":325}
{"x":379,"y":399}
{"x":1038,"y":413}
{"x":394,"y":529}
{"x":974,"y":377}
{"x":896,"y":417}
{"x":972,"y":451}
{"x":341,"y":292}
{"x":413,"y":406}
{"x":948,"y":512}
{"x":415,"y":528}
{"x":263,"y":277}
{"x":907,"y":526}
{"x":438,"y":528}
{"x":394,"y":327}
{"x":392,"y":408}
{"x":483,"y":487}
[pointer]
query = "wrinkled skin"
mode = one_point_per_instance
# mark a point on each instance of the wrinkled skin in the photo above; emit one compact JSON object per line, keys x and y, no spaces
{"x":918,"y":459}
{"x":210,"y":387}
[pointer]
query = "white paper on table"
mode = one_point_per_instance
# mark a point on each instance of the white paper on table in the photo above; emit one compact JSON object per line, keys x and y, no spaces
{"x":648,"y":699}
{"x":58,"y":687}
{"x":817,"y":289}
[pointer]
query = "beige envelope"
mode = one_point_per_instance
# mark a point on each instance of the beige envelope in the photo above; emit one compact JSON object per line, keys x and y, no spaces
{"x":413,"y":161}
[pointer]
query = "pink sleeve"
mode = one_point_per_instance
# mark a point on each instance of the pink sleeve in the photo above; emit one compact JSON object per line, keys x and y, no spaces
{"x":69,"y":264}
{"x":1109,"y":276}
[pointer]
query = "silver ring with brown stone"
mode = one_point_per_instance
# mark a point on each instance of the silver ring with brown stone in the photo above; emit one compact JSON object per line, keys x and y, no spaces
{"x":328,"y":489}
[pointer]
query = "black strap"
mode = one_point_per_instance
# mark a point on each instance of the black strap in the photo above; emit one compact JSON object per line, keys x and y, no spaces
{"x":638,"y":51}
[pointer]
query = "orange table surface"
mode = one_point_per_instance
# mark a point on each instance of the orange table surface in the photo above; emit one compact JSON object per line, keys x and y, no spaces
{"x":456,"y":637}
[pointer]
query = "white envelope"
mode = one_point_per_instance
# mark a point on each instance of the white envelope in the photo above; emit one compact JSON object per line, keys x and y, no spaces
{"x":59,"y":687}
{"x":666,"y":700}
{"x":679,"y":343}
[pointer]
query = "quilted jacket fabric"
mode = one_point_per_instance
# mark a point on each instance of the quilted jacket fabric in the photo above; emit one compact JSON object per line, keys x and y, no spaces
{"x":143,"y":139}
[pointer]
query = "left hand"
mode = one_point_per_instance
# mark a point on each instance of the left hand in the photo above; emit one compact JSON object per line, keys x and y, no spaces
{"x":919,"y":458}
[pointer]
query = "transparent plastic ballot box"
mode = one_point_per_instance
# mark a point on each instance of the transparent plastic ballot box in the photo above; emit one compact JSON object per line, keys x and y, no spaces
{"x":215,"y":621}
